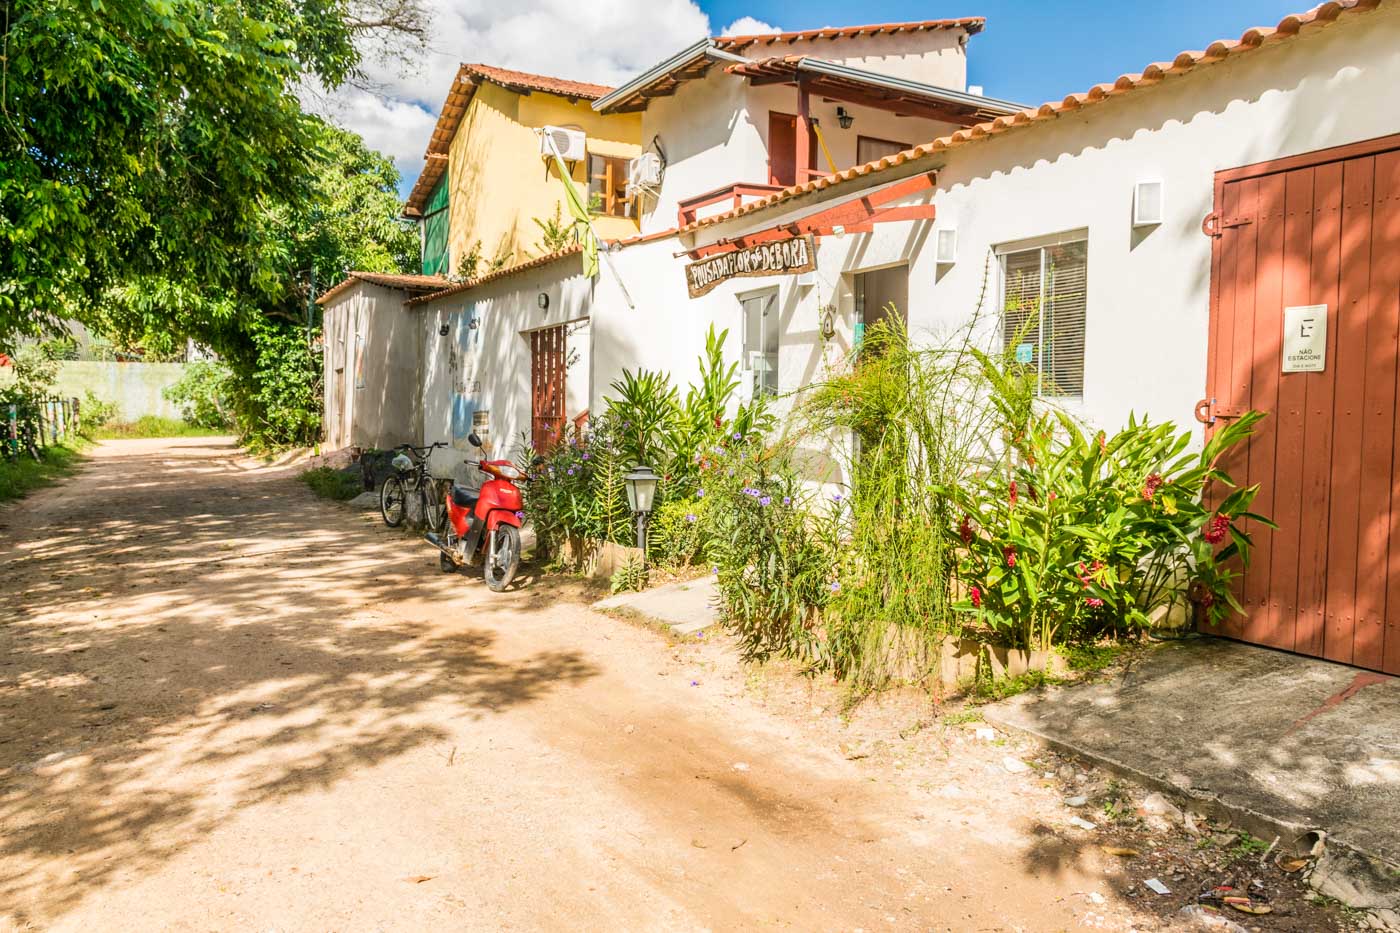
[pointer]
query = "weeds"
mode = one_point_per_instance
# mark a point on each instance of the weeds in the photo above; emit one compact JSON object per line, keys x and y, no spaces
{"x":992,"y":689}
{"x":18,"y":477}
{"x":152,"y":426}
{"x":333,"y":484}
{"x":1087,"y":659}
{"x":962,"y":717}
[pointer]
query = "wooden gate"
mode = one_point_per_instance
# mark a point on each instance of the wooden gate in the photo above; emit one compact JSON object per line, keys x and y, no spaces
{"x":1315,"y":230}
{"x":548,"y":371}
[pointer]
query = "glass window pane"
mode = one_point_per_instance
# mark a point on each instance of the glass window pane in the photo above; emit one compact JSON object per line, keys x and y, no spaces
{"x":1064,"y":301}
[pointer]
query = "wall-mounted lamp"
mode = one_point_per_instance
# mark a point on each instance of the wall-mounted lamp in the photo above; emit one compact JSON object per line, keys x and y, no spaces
{"x":473,"y":322}
{"x":1148,"y":203}
{"x":444,"y":328}
{"x":543,"y":301}
{"x":844,"y":117}
{"x":945,"y":250}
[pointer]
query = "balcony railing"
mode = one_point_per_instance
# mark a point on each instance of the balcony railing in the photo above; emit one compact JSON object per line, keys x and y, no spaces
{"x":688,"y":210}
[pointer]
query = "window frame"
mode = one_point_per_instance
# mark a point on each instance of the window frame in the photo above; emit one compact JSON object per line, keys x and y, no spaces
{"x":1041,"y":244}
{"x":615,"y":202}
{"x":753,"y":377}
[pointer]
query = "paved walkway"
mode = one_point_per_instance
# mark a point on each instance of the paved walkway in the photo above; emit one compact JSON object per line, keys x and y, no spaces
{"x":225,"y":704}
{"x":686,"y":608}
{"x":1286,"y":743}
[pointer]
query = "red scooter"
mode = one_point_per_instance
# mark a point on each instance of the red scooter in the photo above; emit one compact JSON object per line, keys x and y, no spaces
{"x":485,"y":522}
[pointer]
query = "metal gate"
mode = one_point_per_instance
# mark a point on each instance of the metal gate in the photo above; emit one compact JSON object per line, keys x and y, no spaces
{"x":1318,"y":235}
{"x":548,"y":372}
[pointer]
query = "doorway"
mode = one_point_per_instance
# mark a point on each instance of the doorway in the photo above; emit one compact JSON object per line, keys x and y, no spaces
{"x":881,"y":295}
{"x":1306,"y":246}
{"x":548,"y":386}
{"x":782,"y":149}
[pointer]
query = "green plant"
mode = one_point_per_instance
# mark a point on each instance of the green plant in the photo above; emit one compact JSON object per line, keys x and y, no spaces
{"x":555,"y":234}
{"x":1089,"y":658}
{"x":150,"y":426}
{"x":630,"y":577}
{"x":679,"y":531}
{"x":644,"y":408}
{"x":94,"y":414}
{"x":1072,"y":534}
{"x":18,"y":477}
{"x":329,"y":483}
{"x":203,"y":394}
{"x":280,"y":401}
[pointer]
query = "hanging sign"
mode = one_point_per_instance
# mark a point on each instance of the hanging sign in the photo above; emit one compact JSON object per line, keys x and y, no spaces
{"x":1305,"y":339}
{"x":776,"y":257}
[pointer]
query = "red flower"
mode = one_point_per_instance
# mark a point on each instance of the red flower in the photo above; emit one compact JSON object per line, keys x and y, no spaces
{"x":1215,"y":529}
{"x":976,"y":596}
{"x":1103,"y":441}
{"x":1010,"y":554}
{"x":965,"y":530}
{"x":1013,"y":492}
{"x":1093,"y":602}
{"x":719,"y":423}
{"x":1150,"y":488}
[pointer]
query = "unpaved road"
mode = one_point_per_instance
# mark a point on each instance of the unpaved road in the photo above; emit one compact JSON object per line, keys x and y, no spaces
{"x":225,"y":704}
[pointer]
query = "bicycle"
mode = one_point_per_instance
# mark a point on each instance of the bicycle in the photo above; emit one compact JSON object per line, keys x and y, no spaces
{"x":411,"y":477}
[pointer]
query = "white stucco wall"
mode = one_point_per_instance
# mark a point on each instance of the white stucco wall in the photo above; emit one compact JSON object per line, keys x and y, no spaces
{"x":1148,"y":289}
{"x":384,"y":411}
{"x":488,"y":368}
{"x":937,"y":57}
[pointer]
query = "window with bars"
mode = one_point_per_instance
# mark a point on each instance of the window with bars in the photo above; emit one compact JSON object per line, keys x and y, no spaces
{"x":761,"y":342}
{"x":1043,"y":313}
{"x":607,"y":186}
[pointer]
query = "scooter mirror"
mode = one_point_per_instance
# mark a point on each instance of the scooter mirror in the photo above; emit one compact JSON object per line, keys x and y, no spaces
{"x":473,"y":439}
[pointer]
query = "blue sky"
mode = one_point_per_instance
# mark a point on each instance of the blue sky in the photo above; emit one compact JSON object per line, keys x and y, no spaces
{"x":1031,"y":51}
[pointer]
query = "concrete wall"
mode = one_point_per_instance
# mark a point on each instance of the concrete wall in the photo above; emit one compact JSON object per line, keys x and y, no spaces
{"x":381,"y":409}
{"x":486,"y":368}
{"x":499,"y":181}
{"x":135,"y":388}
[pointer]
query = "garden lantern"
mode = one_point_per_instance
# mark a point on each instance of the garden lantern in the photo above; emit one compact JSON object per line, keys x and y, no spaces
{"x":641,"y":492}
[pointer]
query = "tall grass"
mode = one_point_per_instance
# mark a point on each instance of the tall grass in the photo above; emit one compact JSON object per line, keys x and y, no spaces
{"x":18,"y":477}
{"x":921,"y":419}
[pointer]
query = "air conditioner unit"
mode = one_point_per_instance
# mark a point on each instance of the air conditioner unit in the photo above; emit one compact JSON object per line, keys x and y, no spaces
{"x":1147,"y":203}
{"x":643,"y":173}
{"x":569,"y":143}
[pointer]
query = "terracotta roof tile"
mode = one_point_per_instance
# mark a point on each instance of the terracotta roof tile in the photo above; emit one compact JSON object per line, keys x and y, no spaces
{"x":480,"y":280}
{"x":464,"y":86}
{"x":972,"y":24}
{"x":412,"y":283}
{"x":1217,"y":51}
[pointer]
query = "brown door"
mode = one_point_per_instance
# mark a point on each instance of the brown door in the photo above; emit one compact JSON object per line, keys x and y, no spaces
{"x":782,"y":149}
{"x":547,"y":381}
{"x":1304,"y":233}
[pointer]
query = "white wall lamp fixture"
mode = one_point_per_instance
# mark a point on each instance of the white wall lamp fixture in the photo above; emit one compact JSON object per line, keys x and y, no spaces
{"x":543,"y":301}
{"x":945,"y":251}
{"x":1149,"y":203}
{"x":444,"y":328}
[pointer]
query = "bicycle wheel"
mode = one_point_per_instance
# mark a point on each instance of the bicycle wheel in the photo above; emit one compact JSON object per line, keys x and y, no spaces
{"x":391,"y":502}
{"x":434,"y":508}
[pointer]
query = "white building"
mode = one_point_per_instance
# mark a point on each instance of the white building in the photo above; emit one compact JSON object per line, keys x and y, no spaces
{"x":1180,"y":211}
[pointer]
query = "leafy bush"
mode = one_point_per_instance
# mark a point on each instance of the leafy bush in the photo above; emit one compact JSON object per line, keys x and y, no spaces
{"x":773,"y":569}
{"x":679,"y":531}
{"x":1079,"y":534}
{"x":330,"y":483}
{"x":577,"y":489}
{"x":94,"y":413}
{"x":279,"y":402}
{"x":18,"y":477}
{"x":203,"y":394}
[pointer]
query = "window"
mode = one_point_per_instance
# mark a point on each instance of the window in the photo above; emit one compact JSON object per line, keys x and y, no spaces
{"x":607,"y":186}
{"x":761,"y":342}
{"x":1043,"y":310}
{"x":435,"y":230}
{"x":868,"y":149}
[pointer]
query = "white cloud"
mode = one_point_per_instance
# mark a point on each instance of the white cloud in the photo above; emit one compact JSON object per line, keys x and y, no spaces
{"x":605,"y":42}
{"x":748,"y":26}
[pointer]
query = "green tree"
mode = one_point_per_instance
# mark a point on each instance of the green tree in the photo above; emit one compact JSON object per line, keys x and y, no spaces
{"x":158,"y":147}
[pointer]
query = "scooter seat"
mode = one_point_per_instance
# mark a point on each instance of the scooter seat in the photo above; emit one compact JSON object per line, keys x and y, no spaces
{"x":464,"y":498}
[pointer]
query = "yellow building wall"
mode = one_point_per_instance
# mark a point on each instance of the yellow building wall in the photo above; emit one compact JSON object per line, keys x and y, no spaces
{"x":500,"y":183}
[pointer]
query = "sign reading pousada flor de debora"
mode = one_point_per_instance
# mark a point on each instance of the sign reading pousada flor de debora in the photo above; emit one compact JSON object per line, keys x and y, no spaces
{"x":777,"y":257}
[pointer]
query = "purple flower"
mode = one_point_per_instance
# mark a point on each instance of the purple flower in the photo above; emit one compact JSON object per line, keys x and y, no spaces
{"x":571,"y":471}
{"x":738,"y":436}
{"x":835,"y":586}
{"x":836,"y":497}
{"x":715,"y":570}
{"x":700,"y":494}
{"x":695,"y":683}
{"x":787,"y":500}
{"x":690,"y":517}
{"x":586,"y":455}
{"x":520,"y":516}
{"x":766,"y":500}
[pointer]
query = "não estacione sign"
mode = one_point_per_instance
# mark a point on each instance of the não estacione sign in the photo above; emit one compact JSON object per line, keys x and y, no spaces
{"x":795,"y":254}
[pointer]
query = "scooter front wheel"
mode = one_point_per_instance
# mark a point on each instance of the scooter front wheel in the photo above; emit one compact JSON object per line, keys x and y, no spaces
{"x":502,"y":557}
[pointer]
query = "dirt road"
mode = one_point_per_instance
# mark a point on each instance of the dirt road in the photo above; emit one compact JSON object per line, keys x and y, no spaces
{"x":225,"y":704}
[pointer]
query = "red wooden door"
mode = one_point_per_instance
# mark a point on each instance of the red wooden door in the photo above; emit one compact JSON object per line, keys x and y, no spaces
{"x":547,"y":381}
{"x":782,"y":149}
{"x":1322,"y":229}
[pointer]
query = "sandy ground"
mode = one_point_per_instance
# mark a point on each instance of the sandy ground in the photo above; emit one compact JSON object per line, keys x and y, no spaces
{"x":225,"y":704}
